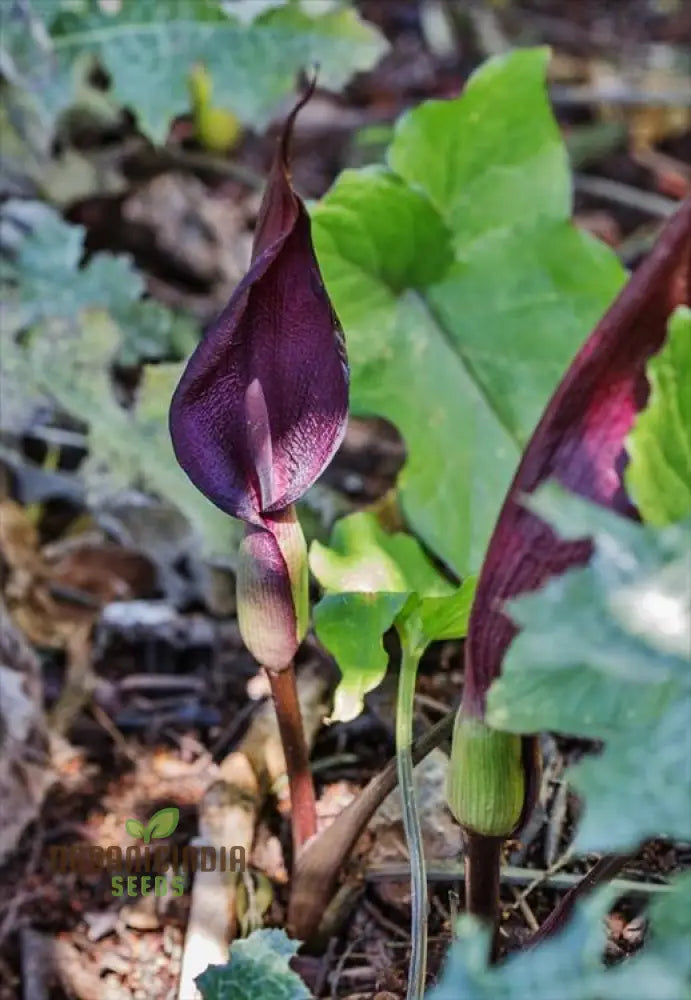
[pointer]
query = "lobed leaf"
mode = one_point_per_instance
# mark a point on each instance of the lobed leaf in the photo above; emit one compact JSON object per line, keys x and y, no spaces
{"x":44,"y":280}
{"x":148,"y":47}
{"x":257,"y":967}
{"x":604,"y":652}
{"x":76,"y":322}
{"x":570,"y":965}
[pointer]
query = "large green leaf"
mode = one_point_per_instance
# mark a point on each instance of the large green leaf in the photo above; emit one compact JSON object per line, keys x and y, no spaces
{"x":464,"y":292}
{"x":257,"y":968}
{"x":493,"y":159}
{"x":149,"y":46}
{"x":604,"y":652}
{"x":569,"y":966}
{"x":659,"y":473}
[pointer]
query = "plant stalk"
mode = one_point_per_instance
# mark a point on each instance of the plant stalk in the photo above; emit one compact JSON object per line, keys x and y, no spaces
{"x":603,"y":871}
{"x":482,"y":867}
{"x":411,"y":822}
{"x":303,"y":812}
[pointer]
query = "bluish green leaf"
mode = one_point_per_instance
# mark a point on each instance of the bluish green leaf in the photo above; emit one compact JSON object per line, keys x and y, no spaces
{"x":570,"y":966}
{"x":257,"y":968}
{"x":45,"y":281}
{"x":150,"y":45}
{"x":658,"y":476}
{"x":605,"y":653}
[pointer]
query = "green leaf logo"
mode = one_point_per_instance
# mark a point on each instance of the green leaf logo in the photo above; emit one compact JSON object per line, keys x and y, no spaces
{"x":134,"y":828}
{"x":162,"y":824}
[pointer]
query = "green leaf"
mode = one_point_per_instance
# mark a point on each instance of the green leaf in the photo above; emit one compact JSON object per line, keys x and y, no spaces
{"x":351,"y":627}
{"x":604,"y":653}
{"x":47,"y":282}
{"x":257,"y":967}
{"x":162,"y":823}
{"x":361,"y":556}
{"x":135,"y":828}
{"x":149,"y":47}
{"x":374,"y":580}
{"x":80,"y":320}
{"x":447,"y":617}
{"x":478,"y":336}
{"x":570,"y":965}
{"x":493,"y":159}
{"x":658,"y":476}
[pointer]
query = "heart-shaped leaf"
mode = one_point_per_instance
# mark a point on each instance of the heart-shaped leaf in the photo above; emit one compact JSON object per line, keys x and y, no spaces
{"x":462,"y":284}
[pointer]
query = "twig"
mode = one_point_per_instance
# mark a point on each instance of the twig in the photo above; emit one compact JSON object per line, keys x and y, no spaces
{"x":451,"y":871}
{"x":522,"y":904}
{"x":105,"y":721}
{"x":624,"y":194}
{"x":161,"y":158}
{"x":79,"y":682}
{"x":603,"y":871}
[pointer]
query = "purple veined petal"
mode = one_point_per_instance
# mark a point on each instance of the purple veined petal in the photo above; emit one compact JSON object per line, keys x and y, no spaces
{"x":261,"y":406}
{"x":579,"y":441}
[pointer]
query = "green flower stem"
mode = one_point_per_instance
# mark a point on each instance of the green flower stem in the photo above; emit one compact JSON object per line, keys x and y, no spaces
{"x":411,"y":820}
{"x":303,"y":813}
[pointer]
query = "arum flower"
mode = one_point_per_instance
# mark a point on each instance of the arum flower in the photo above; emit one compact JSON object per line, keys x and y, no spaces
{"x":261,"y":407}
{"x":260,"y":410}
{"x":580,"y":442}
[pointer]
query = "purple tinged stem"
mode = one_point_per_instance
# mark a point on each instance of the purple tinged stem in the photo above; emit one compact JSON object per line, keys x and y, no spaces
{"x":302,"y":798}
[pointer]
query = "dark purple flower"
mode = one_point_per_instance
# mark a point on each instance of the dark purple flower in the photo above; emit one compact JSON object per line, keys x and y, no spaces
{"x":261,"y":406}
